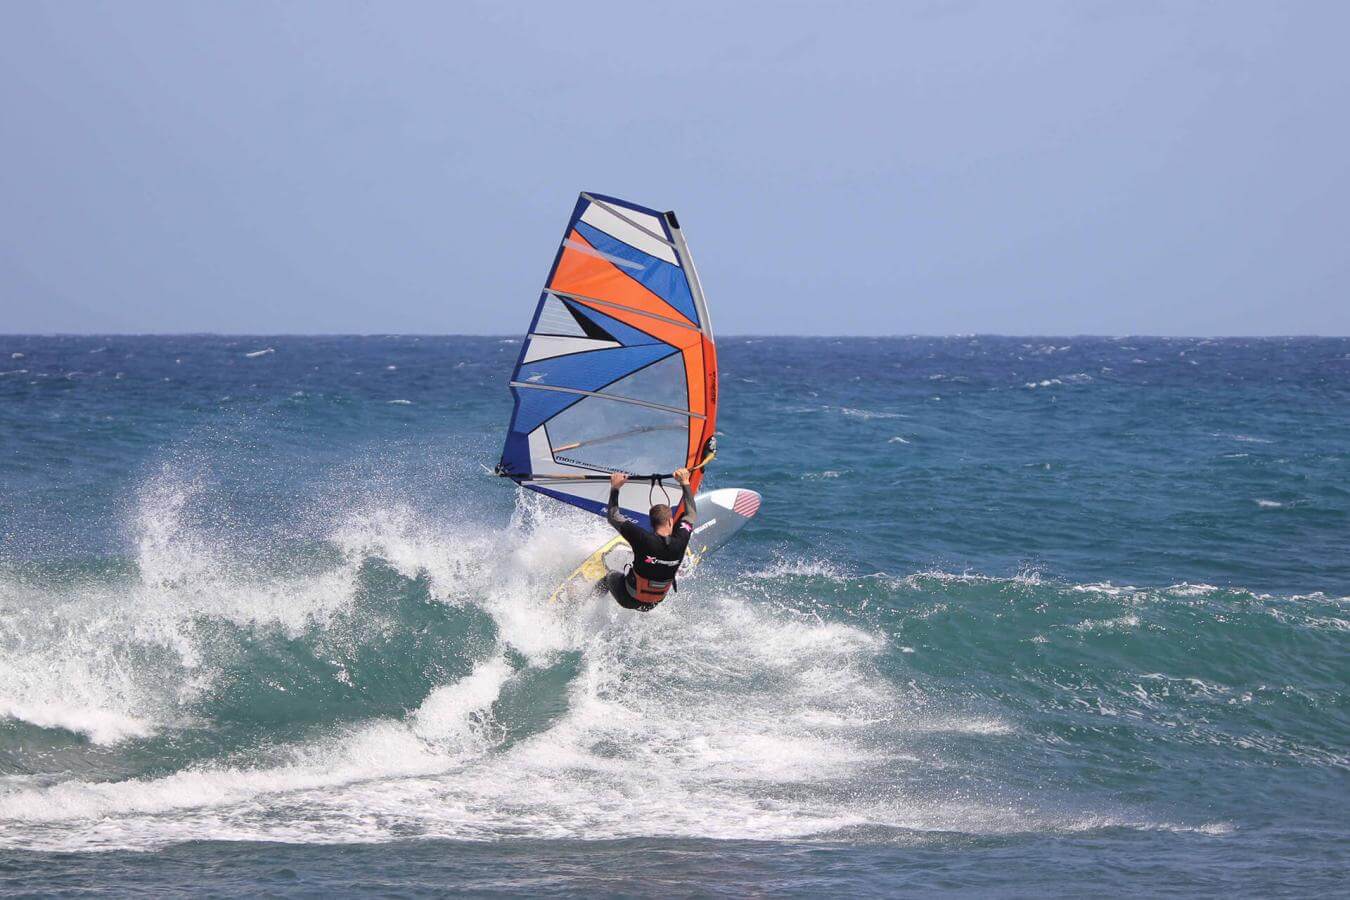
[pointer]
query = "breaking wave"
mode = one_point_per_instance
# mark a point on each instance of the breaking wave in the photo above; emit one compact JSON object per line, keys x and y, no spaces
{"x":404,"y":677}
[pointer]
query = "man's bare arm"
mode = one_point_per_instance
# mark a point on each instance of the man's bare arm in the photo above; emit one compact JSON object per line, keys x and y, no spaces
{"x":612,"y":514}
{"x":690,"y":509}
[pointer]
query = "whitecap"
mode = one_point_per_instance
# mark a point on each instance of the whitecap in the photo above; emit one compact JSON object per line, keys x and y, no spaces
{"x":867,"y":414}
{"x":1104,"y":587}
{"x":1186,"y":589}
{"x":800,"y":567}
{"x":256,"y":353}
{"x":101,"y":726}
{"x":1119,"y":623}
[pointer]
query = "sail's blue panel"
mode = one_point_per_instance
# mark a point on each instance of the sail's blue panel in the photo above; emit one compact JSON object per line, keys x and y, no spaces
{"x":586,"y":371}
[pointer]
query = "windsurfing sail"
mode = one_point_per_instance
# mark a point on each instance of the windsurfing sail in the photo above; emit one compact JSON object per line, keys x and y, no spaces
{"x":618,"y":371}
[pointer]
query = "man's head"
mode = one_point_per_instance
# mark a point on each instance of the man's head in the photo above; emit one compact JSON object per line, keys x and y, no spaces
{"x":660,"y":515}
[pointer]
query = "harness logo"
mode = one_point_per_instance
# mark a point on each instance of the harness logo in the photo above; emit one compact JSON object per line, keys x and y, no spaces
{"x":653,"y":561}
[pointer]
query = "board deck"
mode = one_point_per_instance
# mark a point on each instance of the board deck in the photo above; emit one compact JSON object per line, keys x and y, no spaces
{"x":722,"y":513}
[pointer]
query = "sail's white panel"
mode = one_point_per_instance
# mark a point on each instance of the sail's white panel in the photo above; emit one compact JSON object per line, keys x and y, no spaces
{"x":599,"y":217}
{"x":543,"y":346}
{"x":555,"y":319}
{"x":541,"y":454}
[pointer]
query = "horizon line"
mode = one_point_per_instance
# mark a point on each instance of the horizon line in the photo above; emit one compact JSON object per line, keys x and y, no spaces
{"x":755,"y":335}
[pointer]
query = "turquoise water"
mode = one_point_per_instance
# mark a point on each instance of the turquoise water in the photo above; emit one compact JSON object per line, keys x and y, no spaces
{"x":1017,"y":616}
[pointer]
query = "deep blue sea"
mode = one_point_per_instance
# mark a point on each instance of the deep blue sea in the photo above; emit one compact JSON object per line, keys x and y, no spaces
{"x":1018,"y":617}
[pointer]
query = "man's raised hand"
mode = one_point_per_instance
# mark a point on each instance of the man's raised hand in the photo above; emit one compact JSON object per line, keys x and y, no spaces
{"x":617,"y":480}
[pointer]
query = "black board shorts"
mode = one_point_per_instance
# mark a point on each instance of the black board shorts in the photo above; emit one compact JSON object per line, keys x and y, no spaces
{"x":614,"y":581}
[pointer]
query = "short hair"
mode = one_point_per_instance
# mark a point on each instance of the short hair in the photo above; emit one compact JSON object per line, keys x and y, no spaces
{"x":660,"y":515}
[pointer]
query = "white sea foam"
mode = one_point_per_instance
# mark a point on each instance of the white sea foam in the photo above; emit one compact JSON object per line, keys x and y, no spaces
{"x":256,"y":353}
{"x":400,"y":402}
{"x":460,"y":713}
{"x":1027,"y":577}
{"x":1241,"y":438}
{"x":799,"y":568}
{"x":1119,"y":623}
{"x":722,"y":716}
{"x":434,"y":737}
{"x":670,"y":724}
{"x":1104,"y":587}
{"x":1186,"y":589}
{"x":1269,"y":504}
{"x":961,"y":725}
{"x":101,"y":726}
{"x":124,"y":658}
{"x":868,"y":414}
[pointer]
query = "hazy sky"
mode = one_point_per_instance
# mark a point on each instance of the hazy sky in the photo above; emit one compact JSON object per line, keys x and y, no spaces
{"x":841,"y":168}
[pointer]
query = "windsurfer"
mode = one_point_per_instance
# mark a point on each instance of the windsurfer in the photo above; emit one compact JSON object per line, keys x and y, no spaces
{"x":657,"y":554}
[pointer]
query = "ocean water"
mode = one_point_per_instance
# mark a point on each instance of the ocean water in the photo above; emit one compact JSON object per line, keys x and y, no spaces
{"x":1017,"y":617}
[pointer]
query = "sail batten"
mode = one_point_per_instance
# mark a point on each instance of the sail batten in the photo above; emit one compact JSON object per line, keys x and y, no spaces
{"x":637,"y":312}
{"x":604,"y":396}
{"x":618,"y":371}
